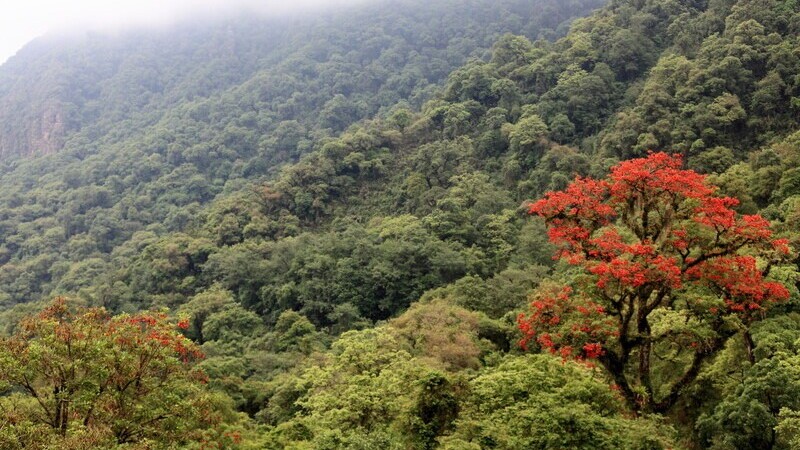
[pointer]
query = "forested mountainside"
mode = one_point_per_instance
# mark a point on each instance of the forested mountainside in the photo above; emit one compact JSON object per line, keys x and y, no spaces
{"x":337,"y":221}
{"x":163,"y":123}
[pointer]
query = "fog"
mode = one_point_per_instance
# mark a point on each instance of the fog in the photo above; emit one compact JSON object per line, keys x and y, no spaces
{"x":23,"y":20}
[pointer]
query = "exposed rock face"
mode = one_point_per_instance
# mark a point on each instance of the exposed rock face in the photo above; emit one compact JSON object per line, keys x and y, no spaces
{"x":33,"y":105}
{"x":42,"y":134}
{"x":49,"y":137}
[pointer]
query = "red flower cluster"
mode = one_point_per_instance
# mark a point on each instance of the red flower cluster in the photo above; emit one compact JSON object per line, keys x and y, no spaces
{"x":570,"y":326}
{"x":739,"y":281}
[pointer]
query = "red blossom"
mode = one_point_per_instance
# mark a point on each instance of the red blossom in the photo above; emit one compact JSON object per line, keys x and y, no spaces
{"x":649,"y":227}
{"x":781,"y":246}
{"x":592,"y":350}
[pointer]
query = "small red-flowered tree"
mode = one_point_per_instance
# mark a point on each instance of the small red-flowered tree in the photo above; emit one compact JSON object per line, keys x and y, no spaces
{"x":668,"y":273}
{"x":117,"y":380}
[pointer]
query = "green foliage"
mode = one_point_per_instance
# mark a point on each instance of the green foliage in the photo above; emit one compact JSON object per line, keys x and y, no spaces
{"x":540,"y":402}
{"x":761,"y":394}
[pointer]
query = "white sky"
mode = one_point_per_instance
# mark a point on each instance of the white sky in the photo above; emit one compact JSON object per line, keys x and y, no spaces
{"x":23,"y":20}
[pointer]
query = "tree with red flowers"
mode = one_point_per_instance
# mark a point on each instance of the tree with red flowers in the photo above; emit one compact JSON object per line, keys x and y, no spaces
{"x":668,"y":272}
{"x":86,"y":379}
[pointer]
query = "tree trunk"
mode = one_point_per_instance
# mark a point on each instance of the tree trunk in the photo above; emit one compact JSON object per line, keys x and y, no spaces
{"x":645,"y":353}
{"x":749,"y":346}
{"x":615,"y":365}
{"x":61,"y":418}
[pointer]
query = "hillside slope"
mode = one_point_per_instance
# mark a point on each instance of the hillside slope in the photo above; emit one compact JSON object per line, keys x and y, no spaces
{"x":152,"y":125}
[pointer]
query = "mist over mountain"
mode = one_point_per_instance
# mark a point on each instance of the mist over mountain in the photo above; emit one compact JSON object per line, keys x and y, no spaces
{"x":24,"y":21}
{"x":66,"y":82}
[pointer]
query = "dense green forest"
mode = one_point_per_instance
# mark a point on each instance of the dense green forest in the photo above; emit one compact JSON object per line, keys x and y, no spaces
{"x":322,"y":232}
